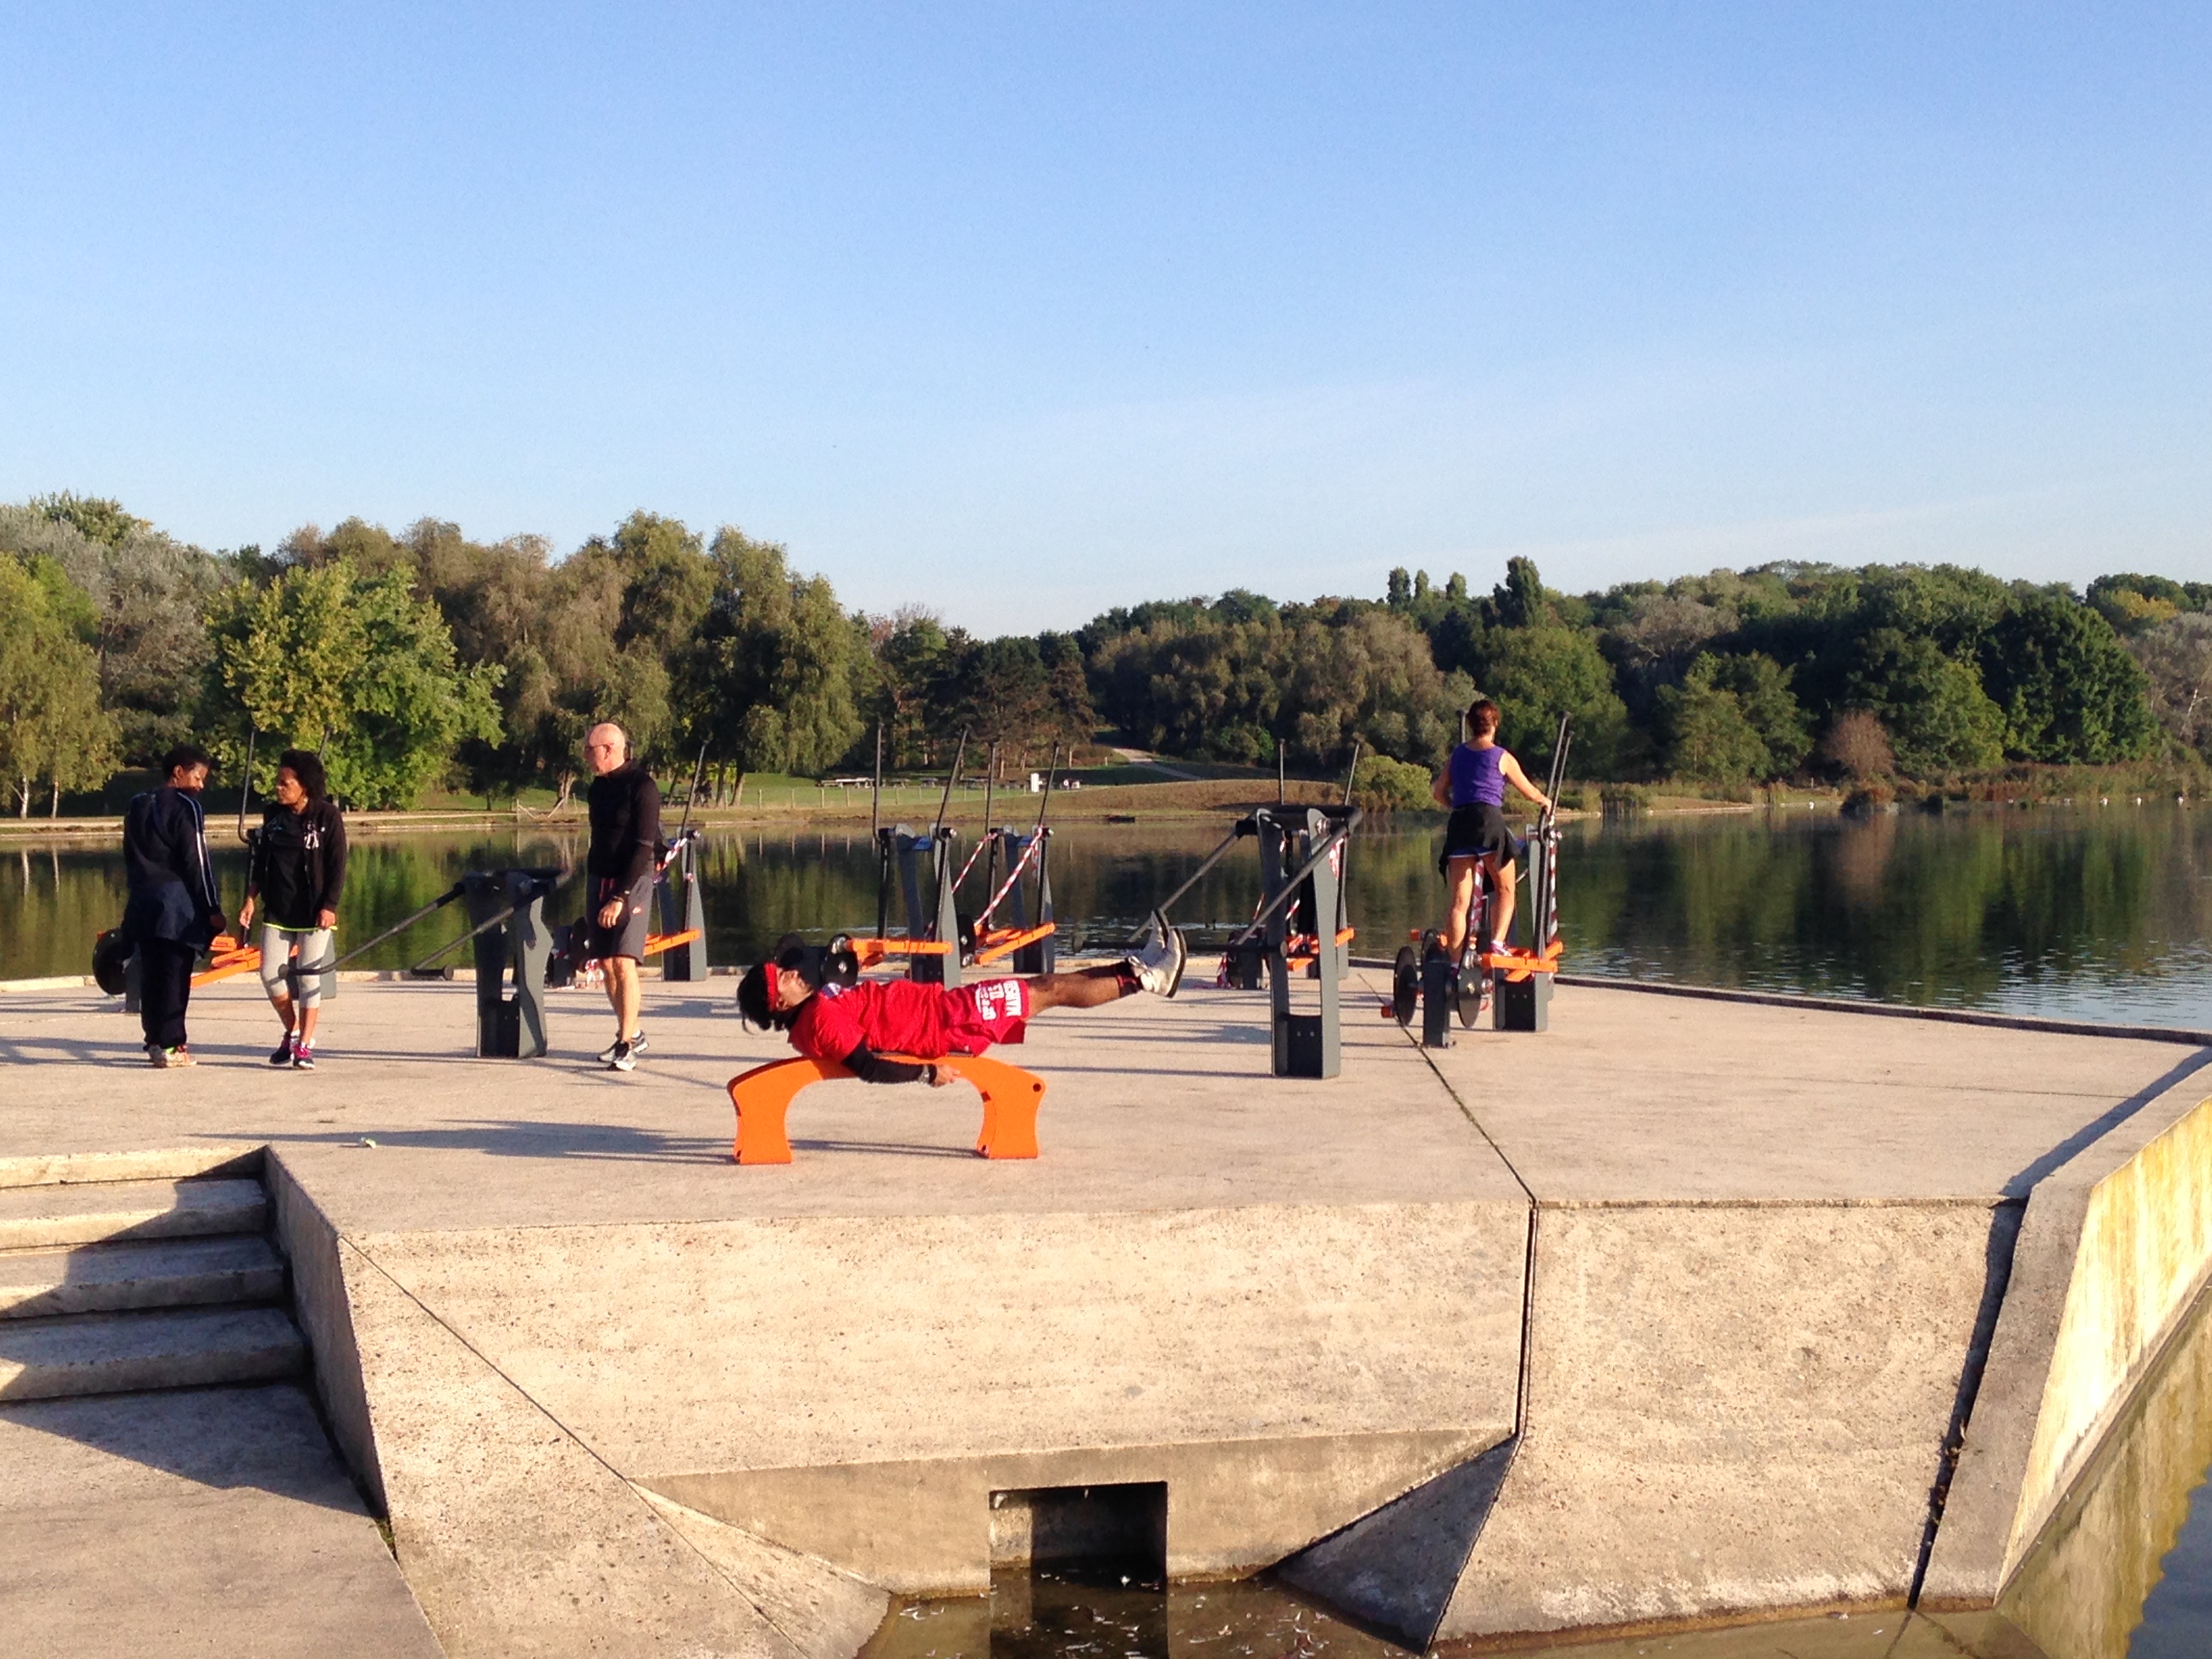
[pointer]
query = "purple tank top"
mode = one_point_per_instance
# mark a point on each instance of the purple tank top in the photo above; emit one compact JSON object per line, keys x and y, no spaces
{"x":1478,"y":776}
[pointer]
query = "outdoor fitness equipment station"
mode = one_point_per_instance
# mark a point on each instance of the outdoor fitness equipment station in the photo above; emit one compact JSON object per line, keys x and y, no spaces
{"x":918,"y":870}
{"x":1299,"y":924}
{"x":1514,"y":986}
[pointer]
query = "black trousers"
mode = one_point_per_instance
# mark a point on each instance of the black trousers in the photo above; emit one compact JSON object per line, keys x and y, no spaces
{"x":165,"y":986}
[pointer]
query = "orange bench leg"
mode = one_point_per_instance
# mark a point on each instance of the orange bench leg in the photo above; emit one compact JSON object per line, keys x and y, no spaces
{"x":762,"y":1097}
{"x":1011,"y":1098}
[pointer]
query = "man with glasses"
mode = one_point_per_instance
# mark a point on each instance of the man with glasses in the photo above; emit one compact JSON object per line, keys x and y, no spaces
{"x":624,"y":860}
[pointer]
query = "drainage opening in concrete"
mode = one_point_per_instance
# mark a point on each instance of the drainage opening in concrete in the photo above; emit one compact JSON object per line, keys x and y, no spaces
{"x":1083,"y":1531}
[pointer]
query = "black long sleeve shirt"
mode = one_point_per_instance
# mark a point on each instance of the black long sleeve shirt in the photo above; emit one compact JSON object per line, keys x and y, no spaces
{"x":625,"y":809}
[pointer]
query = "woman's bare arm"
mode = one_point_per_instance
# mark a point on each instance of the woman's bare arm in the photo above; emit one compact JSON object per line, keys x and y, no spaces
{"x":1442,"y":787}
{"x":1519,"y":780}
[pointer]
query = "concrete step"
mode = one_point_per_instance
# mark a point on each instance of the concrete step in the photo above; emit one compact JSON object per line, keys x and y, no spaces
{"x":112,"y":1354}
{"x":32,"y":1218}
{"x":114,"y":1278}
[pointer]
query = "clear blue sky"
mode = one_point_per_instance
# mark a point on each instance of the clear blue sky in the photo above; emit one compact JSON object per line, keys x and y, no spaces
{"x":1024,"y":311}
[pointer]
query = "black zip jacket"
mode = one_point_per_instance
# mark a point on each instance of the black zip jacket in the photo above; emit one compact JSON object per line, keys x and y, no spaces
{"x":300,"y":863}
{"x":165,"y":861}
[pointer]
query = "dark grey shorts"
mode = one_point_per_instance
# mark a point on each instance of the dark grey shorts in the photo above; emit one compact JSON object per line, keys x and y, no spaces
{"x":627,"y":936}
{"x":1476,"y":832}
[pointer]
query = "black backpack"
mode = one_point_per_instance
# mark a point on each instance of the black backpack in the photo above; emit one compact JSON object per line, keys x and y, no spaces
{"x":110,"y":956}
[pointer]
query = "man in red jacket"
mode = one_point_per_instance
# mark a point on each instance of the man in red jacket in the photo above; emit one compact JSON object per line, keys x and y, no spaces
{"x":857,"y":1026}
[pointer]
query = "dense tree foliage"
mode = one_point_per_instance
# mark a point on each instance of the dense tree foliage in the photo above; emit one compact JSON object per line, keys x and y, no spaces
{"x":425,"y":657}
{"x":53,"y":728}
{"x":352,"y":665}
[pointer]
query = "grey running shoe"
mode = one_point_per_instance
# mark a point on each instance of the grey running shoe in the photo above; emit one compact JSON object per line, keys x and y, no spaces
{"x":1160,"y":961}
{"x":637,"y":1046}
{"x":623,"y":1058}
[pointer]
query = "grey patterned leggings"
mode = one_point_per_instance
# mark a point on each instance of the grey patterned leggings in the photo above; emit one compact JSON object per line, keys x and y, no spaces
{"x":316,"y":954}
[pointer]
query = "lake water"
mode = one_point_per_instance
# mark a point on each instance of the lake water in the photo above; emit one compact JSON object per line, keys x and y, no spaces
{"x":2086,"y":912}
{"x":2099,"y":914}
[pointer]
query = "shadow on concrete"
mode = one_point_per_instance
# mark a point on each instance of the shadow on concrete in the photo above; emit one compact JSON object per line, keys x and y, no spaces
{"x":1395,"y":1569}
{"x":895,"y":1148}
{"x":267,"y":1438}
{"x":518,"y":1137}
{"x":50,"y":1050}
{"x":2090,"y":1133}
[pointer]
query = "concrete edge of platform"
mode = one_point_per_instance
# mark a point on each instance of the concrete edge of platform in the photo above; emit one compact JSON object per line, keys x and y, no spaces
{"x":165,"y":1164}
{"x":322,"y":1308}
{"x":2114,"y":1249}
{"x":1886,"y":1010}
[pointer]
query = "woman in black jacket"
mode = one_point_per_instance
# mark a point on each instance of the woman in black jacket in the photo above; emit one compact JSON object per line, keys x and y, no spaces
{"x":299,"y":868}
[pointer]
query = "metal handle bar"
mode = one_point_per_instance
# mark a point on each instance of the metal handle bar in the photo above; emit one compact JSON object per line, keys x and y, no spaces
{"x":564,"y":878}
{"x":437,"y":903}
{"x":1335,"y":838}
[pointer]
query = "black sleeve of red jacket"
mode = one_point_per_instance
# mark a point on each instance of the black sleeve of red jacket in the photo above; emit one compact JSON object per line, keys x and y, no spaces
{"x":645,"y":831}
{"x":866,"y":1064}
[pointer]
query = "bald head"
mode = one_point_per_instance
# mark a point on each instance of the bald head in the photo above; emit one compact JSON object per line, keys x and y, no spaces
{"x":606,"y":746}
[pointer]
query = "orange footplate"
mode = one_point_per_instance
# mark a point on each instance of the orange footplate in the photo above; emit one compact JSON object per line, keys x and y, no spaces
{"x":228,"y":956}
{"x":763,"y":1096}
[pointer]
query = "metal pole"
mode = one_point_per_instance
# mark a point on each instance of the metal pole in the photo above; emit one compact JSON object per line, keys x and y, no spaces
{"x":487,"y":926}
{"x":1353,"y":773}
{"x":246,"y":787}
{"x":876,"y":795}
{"x":696,"y":772}
{"x":1211,"y":859}
{"x":990,"y":787}
{"x":439,"y":902}
{"x":1282,"y":786}
{"x":1051,"y":775}
{"x":945,"y":800}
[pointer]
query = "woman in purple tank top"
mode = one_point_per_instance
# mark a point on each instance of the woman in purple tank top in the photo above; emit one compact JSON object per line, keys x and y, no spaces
{"x":1472,"y":785}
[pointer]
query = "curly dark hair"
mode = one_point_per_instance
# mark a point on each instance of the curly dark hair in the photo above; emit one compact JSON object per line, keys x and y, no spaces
{"x":182,"y":758}
{"x":756,"y":1004}
{"x":306,"y":766}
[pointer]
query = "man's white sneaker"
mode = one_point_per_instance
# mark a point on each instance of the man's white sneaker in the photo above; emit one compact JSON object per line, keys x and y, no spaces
{"x":1160,"y":962}
{"x":637,"y":1046}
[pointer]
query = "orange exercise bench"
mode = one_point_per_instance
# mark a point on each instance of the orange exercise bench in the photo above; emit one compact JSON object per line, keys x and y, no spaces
{"x":763,"y":1095}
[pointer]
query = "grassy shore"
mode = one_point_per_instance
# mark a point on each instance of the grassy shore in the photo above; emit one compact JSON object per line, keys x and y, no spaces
{"x":1168,"y":790}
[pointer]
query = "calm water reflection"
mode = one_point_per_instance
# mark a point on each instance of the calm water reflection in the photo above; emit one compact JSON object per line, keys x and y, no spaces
{"x":2096,"y":914}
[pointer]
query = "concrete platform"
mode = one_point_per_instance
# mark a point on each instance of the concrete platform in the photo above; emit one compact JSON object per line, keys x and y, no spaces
{"x":213,"y":1522}
{"x":619,"y":1395}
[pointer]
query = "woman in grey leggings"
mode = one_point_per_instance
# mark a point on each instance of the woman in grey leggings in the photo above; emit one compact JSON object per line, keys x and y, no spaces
{"x":296,"y":876}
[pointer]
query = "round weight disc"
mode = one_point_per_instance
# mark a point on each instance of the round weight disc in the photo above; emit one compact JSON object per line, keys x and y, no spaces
{"x":1405,"y":985}
{"x":1467,"y":987}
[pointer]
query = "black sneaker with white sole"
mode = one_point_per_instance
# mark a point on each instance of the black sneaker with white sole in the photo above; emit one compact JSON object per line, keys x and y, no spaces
{"x":623,"y":1057}
{"x":637,"y":1046}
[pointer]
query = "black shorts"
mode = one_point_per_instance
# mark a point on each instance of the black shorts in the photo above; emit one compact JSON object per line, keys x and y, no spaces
{"x":1474,"y":832}
{"x":627,"y":936}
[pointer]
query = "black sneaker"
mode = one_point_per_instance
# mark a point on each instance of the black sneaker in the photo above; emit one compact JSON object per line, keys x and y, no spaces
{"x":623,"y":1057}
{"x":637,"y":1046}
{"x":283,"y":1054}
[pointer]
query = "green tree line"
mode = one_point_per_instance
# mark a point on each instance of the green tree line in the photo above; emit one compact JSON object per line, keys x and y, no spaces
{"x":425,"y":658}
